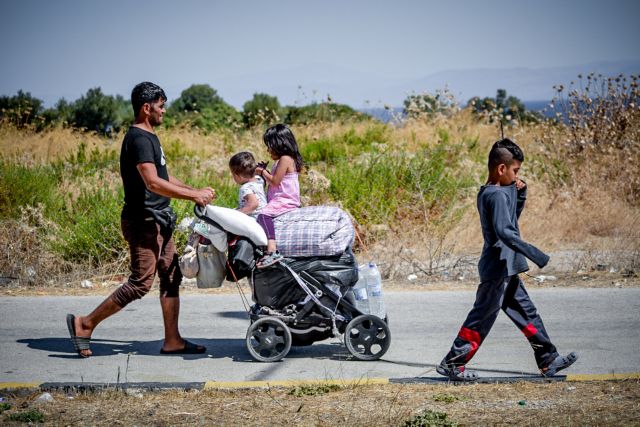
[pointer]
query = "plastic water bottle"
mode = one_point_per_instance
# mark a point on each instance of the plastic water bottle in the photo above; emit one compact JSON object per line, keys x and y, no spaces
{"x":374,"y":291}
{"x":360,"y":290}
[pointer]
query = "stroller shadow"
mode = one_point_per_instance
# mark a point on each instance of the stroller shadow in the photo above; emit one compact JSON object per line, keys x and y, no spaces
{"x":233,"y":315}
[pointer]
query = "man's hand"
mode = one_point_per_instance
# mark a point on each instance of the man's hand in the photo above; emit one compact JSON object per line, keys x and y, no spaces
{"x":204,"y":196}
{"x":520,"y":184}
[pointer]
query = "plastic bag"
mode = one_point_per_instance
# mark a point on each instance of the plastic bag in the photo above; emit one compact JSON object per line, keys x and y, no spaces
{"x":212,"y":267}
{"x":242,"y":258}
{"x":189,"y":262}
{"x":217,"y":237}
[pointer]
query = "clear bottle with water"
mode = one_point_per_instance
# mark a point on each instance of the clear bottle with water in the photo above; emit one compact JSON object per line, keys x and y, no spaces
{"x":360,"y":290}
{"x":374,"y":291}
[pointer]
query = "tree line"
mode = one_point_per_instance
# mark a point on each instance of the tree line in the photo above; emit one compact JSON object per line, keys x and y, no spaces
{"x":200,"y":106}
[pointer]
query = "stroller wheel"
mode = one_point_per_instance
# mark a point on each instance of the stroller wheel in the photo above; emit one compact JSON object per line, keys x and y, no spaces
{"x":268,"y":339}
{"x":367,"y":337}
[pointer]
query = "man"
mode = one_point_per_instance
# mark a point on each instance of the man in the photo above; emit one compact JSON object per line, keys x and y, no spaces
{"x":147,"y":223}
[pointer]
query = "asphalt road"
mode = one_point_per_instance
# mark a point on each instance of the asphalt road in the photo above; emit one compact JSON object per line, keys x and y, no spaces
{"x":603,"y":325}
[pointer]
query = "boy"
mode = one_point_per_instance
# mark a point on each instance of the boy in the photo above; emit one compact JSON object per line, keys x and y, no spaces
{"x":500,"y":203}
{"x":251,"y":196}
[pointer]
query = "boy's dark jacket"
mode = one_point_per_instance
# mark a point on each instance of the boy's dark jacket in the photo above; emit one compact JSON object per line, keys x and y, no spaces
{"x":504,"y":251}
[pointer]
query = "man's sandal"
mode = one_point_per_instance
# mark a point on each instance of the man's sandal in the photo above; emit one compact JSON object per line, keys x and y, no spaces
{"x":79,"y":343}
{"x":456,"y":373}
{"x":558,"y":364}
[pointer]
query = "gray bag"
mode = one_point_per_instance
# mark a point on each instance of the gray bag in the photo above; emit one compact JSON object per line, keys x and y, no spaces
{"x":211,"y":267}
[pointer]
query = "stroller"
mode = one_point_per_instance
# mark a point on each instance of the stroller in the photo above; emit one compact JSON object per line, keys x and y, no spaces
{"x":304,"y":298}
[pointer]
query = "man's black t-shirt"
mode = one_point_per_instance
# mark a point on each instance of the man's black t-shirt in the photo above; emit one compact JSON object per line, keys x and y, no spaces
{"x":140,"y":146}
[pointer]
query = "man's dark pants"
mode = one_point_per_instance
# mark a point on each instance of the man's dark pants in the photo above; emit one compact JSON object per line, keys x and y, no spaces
{"x":150,"y":251}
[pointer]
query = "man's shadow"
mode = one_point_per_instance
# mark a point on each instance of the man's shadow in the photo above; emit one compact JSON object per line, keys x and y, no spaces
{"x":63,"y":348}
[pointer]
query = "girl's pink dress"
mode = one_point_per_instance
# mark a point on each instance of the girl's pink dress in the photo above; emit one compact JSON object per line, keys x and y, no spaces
{"x":284,"y":197}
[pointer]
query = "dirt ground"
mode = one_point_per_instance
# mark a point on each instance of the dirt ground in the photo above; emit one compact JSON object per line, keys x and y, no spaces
{"x":554,"y":403}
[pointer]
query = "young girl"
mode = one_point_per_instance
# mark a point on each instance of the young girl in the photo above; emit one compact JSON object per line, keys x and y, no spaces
{"x":284,"y":189}
{"x":251,"y":197}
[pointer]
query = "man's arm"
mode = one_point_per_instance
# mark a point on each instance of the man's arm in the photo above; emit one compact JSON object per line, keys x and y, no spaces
{"x":176,"y":181}
{"x":508,"y":234}
{"x":178,"y":190}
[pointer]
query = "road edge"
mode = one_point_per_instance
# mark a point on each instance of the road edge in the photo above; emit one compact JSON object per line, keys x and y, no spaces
{"x":230,"y":385}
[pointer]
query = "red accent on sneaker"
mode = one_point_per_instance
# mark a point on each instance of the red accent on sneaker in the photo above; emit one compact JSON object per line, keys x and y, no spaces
{"x":529,"y":330}
{"x":473,"y":338}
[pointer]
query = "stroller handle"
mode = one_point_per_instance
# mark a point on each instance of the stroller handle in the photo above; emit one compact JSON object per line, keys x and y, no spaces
{"x":199,"y":210}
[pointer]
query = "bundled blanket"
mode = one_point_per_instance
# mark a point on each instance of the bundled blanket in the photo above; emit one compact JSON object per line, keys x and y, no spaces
{"x":314,"y":231}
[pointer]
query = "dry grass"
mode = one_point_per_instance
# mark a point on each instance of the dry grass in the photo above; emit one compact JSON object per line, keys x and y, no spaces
{"x":558,"y":403}
{"x":583,"y":203}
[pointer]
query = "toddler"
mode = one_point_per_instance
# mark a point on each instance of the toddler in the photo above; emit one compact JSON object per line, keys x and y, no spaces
{"x":251,"y":196}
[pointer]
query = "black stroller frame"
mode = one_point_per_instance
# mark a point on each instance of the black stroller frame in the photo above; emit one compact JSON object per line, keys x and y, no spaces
{"x":320,"y":314}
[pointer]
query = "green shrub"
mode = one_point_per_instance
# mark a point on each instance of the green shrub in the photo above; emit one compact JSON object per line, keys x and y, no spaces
{"x":22,"y":185}
{"x":313,"y":389}
{"x":29,"y":416}
{"x":349,"y":144}
{"x":389,"y":187}
{"x":322,"y":112}
{"x":90,"y":228}
{"x":86,"y":164}
{"x":430,"y":418}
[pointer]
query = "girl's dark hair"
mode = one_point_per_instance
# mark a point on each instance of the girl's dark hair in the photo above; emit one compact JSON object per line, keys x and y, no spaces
{"x":243,"y":164}
{"x":145,"y":92}
{"x":504,"y":151}
{"x":280,"y":140}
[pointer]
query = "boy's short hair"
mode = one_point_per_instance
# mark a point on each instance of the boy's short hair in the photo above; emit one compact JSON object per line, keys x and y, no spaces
{"x":505,"y":152}
{"x":145,"y":92}
{"x":243,"y":164}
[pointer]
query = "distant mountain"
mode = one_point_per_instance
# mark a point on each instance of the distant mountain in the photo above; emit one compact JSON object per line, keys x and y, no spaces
{"x":525,"y":83}
{"x":366,"y":90}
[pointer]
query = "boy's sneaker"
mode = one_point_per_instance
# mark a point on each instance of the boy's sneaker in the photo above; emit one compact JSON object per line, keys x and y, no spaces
{"x":456,"y":373}
{"x":269,"y":260}
{"x":558,"y":364}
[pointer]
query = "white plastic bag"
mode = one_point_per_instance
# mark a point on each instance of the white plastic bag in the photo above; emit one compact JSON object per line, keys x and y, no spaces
{"x":189,"y":262}
{"x":217,"y":237}
{"x":212,"y":267}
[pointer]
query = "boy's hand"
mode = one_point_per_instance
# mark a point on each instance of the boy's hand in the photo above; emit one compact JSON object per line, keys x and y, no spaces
{"x":520,"y":184}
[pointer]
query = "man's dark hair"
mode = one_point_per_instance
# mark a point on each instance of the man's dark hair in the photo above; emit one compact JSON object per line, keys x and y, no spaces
{"x":145,"y":92}
{"x":505,"y":152}
{"x":243,"y":164}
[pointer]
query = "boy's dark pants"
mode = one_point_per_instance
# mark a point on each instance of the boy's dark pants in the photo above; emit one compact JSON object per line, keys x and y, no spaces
{"x":509,"y":295}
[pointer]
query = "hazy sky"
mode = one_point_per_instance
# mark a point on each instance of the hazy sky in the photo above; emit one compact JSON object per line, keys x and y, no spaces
{"x":64,"y":47}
